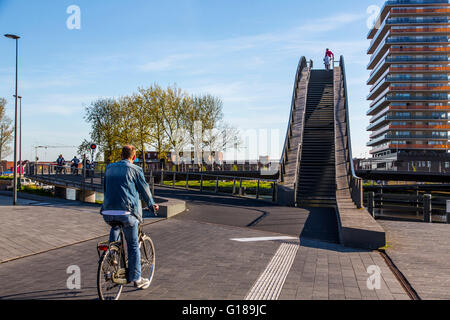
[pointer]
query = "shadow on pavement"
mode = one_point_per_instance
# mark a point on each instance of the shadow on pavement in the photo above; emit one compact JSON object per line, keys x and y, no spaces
{"x":59,"y":294}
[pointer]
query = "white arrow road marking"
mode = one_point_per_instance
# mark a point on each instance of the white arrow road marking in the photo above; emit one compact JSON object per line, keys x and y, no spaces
{"x":263,"y":239}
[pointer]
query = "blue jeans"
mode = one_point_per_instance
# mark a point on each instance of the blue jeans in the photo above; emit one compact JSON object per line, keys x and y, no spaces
{"x":131,"y":232}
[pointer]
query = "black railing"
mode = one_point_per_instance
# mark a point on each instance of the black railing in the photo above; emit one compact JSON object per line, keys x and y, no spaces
{"x":255,"y":188}
{"x":386,"y":202}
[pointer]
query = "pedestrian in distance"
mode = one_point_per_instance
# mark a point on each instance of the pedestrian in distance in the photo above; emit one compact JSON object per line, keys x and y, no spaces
{"x":329,"y":58}
{"x":60,"y":164}
{"x":75,"y":164}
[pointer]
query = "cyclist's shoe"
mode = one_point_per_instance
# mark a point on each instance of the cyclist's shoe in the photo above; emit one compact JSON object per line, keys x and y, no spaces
{"x":142,"y":284}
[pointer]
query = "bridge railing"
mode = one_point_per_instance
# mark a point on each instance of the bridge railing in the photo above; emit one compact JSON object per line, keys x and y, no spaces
{"x":87,"y":178}
{"x":285,"y":155}
{"x":255,"y":188}
{"x":407,"y":202}
{"x":355,"y":183}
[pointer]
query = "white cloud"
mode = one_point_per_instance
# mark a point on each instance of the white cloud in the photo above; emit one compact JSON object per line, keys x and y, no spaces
{"x":169,"y":63}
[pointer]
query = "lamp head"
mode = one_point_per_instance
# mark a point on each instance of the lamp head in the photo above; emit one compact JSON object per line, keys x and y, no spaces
{"x":12,"y":36}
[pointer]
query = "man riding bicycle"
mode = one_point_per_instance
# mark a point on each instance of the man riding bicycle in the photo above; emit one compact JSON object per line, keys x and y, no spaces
{"x":124,"y":182}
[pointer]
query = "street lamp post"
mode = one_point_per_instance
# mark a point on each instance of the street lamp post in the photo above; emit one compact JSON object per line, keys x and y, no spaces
{"x":20,"y":139}
{"x":14,"y":37}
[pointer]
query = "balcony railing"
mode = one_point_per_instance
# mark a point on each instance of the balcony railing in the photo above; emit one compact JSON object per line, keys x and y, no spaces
{"x":419,"y":146}
{"x":418,"y":69}
{"x":416,"y":39}
{"x":420,"y":88}
{"x":416,"y":98}
{"x":417,"y":108}
{"x":404,"y":118}
{"x":421,"y":49}
{"x":419,"y":10}
{"x":409,"y":137}
{"x":415,"y":20}
{"x":421,"y":30}
{"x":418,"y":59}
{"x":409,"y":78}
{"x":421,"y":126}
{"x":414,"y":2}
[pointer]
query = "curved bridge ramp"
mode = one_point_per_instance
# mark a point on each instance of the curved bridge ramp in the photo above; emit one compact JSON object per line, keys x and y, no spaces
{"x":357,"y":228}
{"x":317,"y":169}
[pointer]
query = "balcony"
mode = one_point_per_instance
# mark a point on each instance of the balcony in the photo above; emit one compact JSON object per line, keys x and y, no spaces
{"x":417,"y":98}
{"x":388,"y":118}
{"x":430,"y":87}
{"x":420,"y":146}
{"x":406,"y":137}
{"x":417,"y":59}
{"x":415,"y":108}
{"x":415,"y":11}
{"x":426,"y":30}
{"x":419,"y":69}
{"x":420,"y":126}
{"x":423,"y":39}
{"x":411,"y":78}
{"x":417,"y":49}
{"x":376,"y":57}
{"x":410,"y":146}
{"x":417,"y":20}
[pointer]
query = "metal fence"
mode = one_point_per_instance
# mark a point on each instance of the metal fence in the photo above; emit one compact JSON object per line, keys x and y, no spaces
{"x":255,"y":188}
{"x":93,"y":179}
{"x":412,"y":205}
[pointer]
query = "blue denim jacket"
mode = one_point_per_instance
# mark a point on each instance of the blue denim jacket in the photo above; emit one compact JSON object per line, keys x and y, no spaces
{"x":123,"y":184}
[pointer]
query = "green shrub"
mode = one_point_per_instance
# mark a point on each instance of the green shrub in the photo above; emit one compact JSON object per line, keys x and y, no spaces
{"x":37,"y":191}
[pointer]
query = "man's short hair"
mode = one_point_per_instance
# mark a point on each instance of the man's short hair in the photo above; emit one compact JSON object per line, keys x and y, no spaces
{"x":128,"y":152}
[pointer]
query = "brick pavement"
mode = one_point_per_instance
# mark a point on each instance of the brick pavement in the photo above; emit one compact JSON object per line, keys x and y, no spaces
{"x":422,"y":253}
{"x":197,"y":260}
{"x":39,"y":226}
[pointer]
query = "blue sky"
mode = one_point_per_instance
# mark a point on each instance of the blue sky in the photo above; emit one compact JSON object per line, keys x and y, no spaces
{"x":245,"y":52}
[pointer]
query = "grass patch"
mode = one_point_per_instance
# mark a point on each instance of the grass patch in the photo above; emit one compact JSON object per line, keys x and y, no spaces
{"x":37,"y":191}
{"x":265,"y":188}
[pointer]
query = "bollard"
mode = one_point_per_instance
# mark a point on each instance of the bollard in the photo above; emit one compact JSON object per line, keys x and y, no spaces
{"x":274,"y":193}
{"x":448,"y":212}
{"x":217,"y":185}
{"x":257,"y":189}
{"x":371,"y":204}
{"x":427,"y":217}
{"x":152,"y":184}
{"x":187,"y":180}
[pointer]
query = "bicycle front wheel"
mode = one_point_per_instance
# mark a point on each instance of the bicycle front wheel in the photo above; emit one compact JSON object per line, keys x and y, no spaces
{"x":108,"y":268}
{"x":148,"y":259}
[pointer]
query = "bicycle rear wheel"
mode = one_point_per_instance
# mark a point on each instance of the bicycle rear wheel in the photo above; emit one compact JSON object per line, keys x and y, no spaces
{"x":148,"y":259}
{"x":109,"y":266}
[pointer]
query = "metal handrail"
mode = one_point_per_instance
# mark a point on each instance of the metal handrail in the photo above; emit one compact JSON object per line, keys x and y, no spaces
{"x":297,"y":171}
{"x":300,"y":145}
{"x":302,"y":64}
{"x":355,"y":183}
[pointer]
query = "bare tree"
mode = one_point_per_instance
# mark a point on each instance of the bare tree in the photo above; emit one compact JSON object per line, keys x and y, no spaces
{"x":6,"y":131}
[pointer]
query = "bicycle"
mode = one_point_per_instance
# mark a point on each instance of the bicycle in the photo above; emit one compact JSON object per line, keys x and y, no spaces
{"x":113,"y":264}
